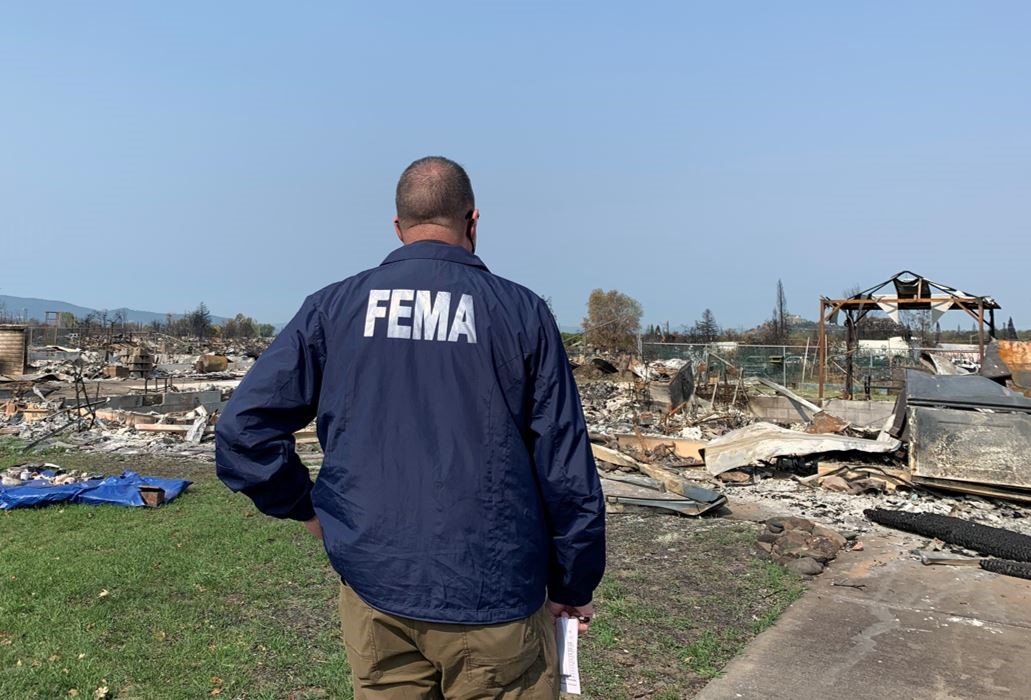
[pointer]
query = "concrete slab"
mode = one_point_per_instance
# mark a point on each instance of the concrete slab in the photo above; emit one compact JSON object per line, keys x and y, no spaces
{"x":911,"y":631}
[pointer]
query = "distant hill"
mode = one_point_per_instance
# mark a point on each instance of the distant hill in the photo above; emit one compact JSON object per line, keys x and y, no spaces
{"x":28,"y":308}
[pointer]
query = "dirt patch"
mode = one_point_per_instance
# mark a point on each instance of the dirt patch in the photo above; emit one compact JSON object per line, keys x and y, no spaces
{"x":680,"y":598}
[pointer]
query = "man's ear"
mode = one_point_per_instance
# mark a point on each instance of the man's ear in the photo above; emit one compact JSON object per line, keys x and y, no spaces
{"x":397,"y":229}
{"x":471,"y":230}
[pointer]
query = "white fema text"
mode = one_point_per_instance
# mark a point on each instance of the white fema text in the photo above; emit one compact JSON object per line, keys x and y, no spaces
{"x":419,"y":314}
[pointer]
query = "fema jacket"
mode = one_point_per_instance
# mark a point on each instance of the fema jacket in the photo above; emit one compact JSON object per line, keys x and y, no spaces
{"x":458,"y":483}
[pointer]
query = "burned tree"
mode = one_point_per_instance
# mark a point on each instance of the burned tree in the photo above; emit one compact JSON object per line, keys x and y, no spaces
{"x":780,"y":325}
{"x":705,"y":329}
{"x":198,"y":321}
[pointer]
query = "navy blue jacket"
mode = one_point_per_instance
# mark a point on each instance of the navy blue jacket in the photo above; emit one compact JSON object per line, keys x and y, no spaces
{"x":458,"y":483}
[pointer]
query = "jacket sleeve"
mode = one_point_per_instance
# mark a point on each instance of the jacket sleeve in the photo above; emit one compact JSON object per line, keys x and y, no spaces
{"x":254,"y":443}
{"x":568,"y":477}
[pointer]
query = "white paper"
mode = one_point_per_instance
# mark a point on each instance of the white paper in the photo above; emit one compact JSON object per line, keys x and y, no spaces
{"x":568,"y":630}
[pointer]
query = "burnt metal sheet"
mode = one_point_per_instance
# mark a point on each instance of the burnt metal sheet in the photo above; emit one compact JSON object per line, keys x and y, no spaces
{"x":940,"y":363}
{"x":762,"y":442}
{"x":702,"y":500}
{"x":970,"y":446}
{"x":966,"y":391}
{"x":1009,"y":359}
{"x":898,"y":417}
{"x":1009,"y":493}
{"x":993,"y":367}
{"x":675,"y":390}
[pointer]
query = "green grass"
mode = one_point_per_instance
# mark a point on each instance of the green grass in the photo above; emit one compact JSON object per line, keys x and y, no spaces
{"x":779,"y":587}
{"x":202,"y":597}
{"x":205,"y":597}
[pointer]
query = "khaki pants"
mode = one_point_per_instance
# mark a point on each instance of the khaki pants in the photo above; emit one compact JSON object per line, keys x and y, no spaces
{"x":396,"y":658}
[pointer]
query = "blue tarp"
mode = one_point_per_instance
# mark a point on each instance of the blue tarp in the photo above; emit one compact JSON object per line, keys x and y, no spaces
{"x":121,"y":490}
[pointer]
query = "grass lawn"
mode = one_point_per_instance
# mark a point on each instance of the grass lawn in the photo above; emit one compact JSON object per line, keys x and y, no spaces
{"x":204,"y":597}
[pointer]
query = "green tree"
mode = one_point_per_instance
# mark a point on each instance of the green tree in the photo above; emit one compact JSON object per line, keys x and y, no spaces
{"x":613,"y":321}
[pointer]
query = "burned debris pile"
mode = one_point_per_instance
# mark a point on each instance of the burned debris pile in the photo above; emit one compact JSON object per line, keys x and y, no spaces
{"x":44,"y":473}
{"x":765,"y":443}
{"x":132,"y":396}
{"x":673,"y":436}
{"x":665,"y":438}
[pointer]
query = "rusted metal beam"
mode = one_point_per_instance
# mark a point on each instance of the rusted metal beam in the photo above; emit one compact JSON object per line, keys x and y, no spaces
{"x":980,"y":332}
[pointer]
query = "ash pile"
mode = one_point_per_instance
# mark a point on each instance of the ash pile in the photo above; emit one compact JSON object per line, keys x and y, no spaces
{"x":97,"y":429}
{"x":126,"y":394}
{"x":659,"y":398}
{"x":951,"y":445}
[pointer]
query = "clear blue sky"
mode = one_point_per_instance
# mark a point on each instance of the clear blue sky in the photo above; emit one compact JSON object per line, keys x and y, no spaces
{"x":158,"y":154}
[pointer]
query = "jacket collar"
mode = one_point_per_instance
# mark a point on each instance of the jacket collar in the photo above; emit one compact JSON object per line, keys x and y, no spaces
{"x":435,"y":250}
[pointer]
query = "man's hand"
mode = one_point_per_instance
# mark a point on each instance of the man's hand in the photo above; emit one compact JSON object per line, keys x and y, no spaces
{"x":584,"y":613}
{"x":314,"y":527}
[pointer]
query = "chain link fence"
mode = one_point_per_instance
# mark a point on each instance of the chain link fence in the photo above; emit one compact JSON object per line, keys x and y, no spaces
{"x":875,"y":370}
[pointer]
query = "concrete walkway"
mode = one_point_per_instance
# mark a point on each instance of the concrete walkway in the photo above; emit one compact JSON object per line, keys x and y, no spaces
{"x":913,"y":631}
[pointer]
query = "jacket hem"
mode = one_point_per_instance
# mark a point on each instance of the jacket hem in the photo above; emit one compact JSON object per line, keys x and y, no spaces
{"x":454,"y":617}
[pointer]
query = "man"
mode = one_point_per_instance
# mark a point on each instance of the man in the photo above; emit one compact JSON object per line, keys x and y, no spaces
{"x":457,"y":489}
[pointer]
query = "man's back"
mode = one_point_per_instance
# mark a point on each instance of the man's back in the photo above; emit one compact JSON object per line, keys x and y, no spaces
{"x":435,"y":379}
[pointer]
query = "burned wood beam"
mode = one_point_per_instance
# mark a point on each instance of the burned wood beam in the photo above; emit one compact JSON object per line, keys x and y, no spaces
{"x":983,"y":539}
{"x":1018,"y":569}
{"x":670,"y":480}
